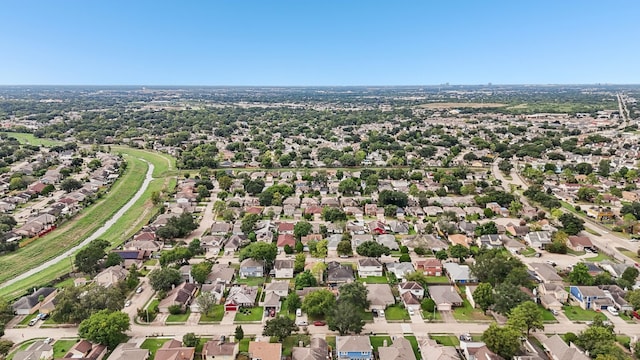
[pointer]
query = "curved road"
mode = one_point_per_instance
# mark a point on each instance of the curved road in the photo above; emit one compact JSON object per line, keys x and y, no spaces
{"x":95,"y":235}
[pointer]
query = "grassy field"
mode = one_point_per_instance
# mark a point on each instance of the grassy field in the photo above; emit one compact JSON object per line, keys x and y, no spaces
{"x":153,"y":345}
{"x":437,"y":280}
{"x":576,"y":313}
{"x":179,"y":318}
{"x":254,"y":314}
{"x":89,"y":221}
{"x":629,"y":253}
{"x":374,"y":280}
{"x":61,"y":348}
{"x":414,"y":346}
{"x":468,"y":313}
{"x":252,"y":281}
{"x":244,"y":345}
{"x":215,"y":314}
{"x":547,"y":316}
{"x":396,"y":313}
{"x":27,"y":138}
{"x":377,"y":341}
{"x":446,"y":340}
{"x":291,"y":341}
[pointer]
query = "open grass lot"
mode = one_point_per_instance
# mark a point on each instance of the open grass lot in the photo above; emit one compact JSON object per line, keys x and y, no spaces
{"x":629,"y":253}
{"x":547,"y":316}
{"x":90,"y":220}
{"x":291,"y":341}
{"x":153,"y":345}
{"x":599,"y":257}
{"x":252,"y":314}
{"x":414,"y":345}
{"x":377,"y":341}
{"x":27,"y":138}
{"x":284,"y":311}
{"x":244,"y":345}
{"x":431,"y":316}
{"x":216,"y":314}
{"x":179,"y":318}
{"x":253,"y":281}
{"x":374,"y":280}
{"x":438,"y":279}
{"x":468,"y":313}
{"x":61,"y":348}
{"x":576,"y":313}
{"x":397,"y":313}
{"x":446,"y":340}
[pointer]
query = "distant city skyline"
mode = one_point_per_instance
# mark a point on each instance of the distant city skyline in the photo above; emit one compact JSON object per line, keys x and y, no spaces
{"x":318,"y":43}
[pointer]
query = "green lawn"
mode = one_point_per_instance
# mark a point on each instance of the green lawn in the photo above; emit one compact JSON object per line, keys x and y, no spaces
{"x":27,"y":138}
{"x":179,"y":318}
{"x":151,"y":262}
{"x":600,"y":257}
{"x":528,"y":252}
{"x":215,"y":314}
{"x":374,"y":280}
{"x":446,"y":340}
{"x":468,"y":313}
{"x":244,"y":345}
{"x":153,"y":345}
{"x":252,"y":281}
{"x":331,"y":341}
{"x":89,"y":220}
{"x":628,"y":253}
{"x":576,"y":313}
{"x":68,"y":282}
{"x":252,"y":314}
{"x":61,"y":348}
{"x":27,"y":318}
{"x":432,"y":316}
{"x":377,"y":341}
{"x":291,"y":341}
{"x":547,"y":316}
{"x":624,"y":340}
{"x":366,"y":315}
{"x":395,"y":312}
{"x":414,"y":345}
{"x":437,"y":280}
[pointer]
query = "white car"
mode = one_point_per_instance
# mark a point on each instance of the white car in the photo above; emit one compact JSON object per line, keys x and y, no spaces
{"x":302,"y":323}
{"x":139,"y":290}
{"x":128,"y":303}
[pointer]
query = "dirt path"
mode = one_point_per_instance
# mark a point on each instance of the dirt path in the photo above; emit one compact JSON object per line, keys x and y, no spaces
{"x":107,"y":225}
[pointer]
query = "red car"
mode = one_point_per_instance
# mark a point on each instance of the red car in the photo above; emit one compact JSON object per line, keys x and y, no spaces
{"x":319,"y":323}
{"x":636,"y":315}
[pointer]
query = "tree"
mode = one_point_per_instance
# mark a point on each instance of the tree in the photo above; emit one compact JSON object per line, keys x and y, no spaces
{"x":293,"y":301}
{"x":75,"y":304}
{"x":488,"y":228}
{"x":113,"y":259}
{"x":459,"y":252}
{"x":299,"y":262}
{"x":302,"y":228}
{"x":249,"y":222}
{"x":372,"y":249}
{"x":504,"y":341}
{"x":604,"y":167}
{"x":391,"y":197}
{"x":596,"y":339}
{"x":494,"y":266}
{"x":200,"y":271}
{"x":526,"y":317}
{"x":442,"y":254}
{"x":260,"y":251}
{"x":628,"y":277}
{"x":483,"y":296}
{"x":344,"y":248}
{"x":580,"y":275}
{"x":505,"y":166}
{"x":354,"y":293}
{"x":280,"y":327}
{"x":405,"y":258}
{"x":348,"y":187}
{"x":163,"y":279}
{"x":333,"y":214}
{"x":190,"y":340}
{"x":419,"y":277}
{"x":572,"y":225}
{"x":70,"y":184}
{"x":88,"y":259}
{"x":105,"y":327}
{"x":5,"y":347}
{"x":305,"y":279}
{"x":507,"y":297}
{"x":206,"y":301}
{"x":428,"y":304}
{"x":322,"y":248}
{"x":239,"y":334}
{"x":345,"y":318}
{"x":318,"y":303}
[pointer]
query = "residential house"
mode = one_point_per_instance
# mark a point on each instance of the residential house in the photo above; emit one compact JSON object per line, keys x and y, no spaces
{"x":430,"y":267}
{"x":616,"y":270}
{"x":600,"y":213}
{"x":284,"y":240}
{"x":431,"y":350}
{"x":221,"y":273}
{"x":339,"y":274}
{"x":219,"y":350}
{"x":265,"y":351}
{"x":399,"y":227}
{"x":241,"y":296}
{"x":84,"y":349}
{"x":36,"y":351}
{"x":281,"y":288}
{"x":400,"y":269}
{"x":477,"y":351}
{"x":538,"y":239}
{"x":285,"y":228}
{"x":181,"y":295}
{"x":446,"y":297}
{"x":410,"y":301}
{"x":29,"y":304}
{"x":377,"y":227}
{"x":617,"y":295}
{"x":459,"y":239}
{"x":129,"y":351}
{"x":388,"y":240}
{"x":549,"y":301}
{"x":546,"y":273}
{"x":379,"y":296}
{"x":220,"y":228}
{"x":401,"y":349}
{"x":111,"y":276}
{"x":491,"y":241}
{"x":555,"y":290}
{"x":272,"y":303}
{"x":174,"y":350}
{"x":467,"y":228}
{"x":317,"y":350}
{"x":459,"y":273}
{"x":354,"y":348}
{"x":283,"y":268}
{"x":517,"y":230}
{"x":514,"y":246}
{"x":557,"y":349}
{"x":590,"y":297}
{"x":251,"y":268}
{"x":413,"y":287}
{"x":369,"y":267}
{"x":579,"y":243}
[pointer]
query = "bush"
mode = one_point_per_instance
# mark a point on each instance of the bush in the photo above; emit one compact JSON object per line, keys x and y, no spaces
{"x":420,"y":251}
{"x":175,"y":309}
{"x":405,"y":258}
{"x":428,"y":305}
{"x":404,"y":249}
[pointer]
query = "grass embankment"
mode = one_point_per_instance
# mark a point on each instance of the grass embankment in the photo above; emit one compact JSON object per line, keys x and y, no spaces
{"x":27,"y":138}
{"x":86,"y":223}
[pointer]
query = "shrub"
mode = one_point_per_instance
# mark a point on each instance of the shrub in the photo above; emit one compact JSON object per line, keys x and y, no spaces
{"x":420,"y":251}
{"x":175,"y":309}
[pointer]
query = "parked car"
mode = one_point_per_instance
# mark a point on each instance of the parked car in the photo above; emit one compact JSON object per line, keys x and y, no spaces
{"x":381,"y":313}
{"x":635,"y":315}
{"x":139,"y":290}
{"x":319,"y":323}
{"x":33,"y":321}
{"x":302,"y":323}
{"x":48,"y":340}
{"x":613,"y":310}
{"x":374,"y":312}
{"x":128,"y":303}
{"x":298,"y":312}
{"x":411,"y":312}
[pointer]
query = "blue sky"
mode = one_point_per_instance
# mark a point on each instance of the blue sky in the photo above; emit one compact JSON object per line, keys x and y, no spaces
{"x":323,"y":42}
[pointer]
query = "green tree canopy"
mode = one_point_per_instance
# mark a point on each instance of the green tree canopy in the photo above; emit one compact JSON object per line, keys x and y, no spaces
{"x":200,"y":271}
{"x":280,"y":327}
{"x":318,"y":303}
{"x":305,"y":279}
{"x":354,"y":293}
{"x":105,"y":327}
{"x":372,"y":249}
{"x":483,"y":296}
{"x":345,"y":318}
{"x":260,"y":251}
{"x":164,"y":278}
{"x":526,"y":317}
{"x":504,"y":341}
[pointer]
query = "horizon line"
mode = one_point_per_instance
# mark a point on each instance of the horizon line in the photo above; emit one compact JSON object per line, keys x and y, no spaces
{"x":321,"y":86}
